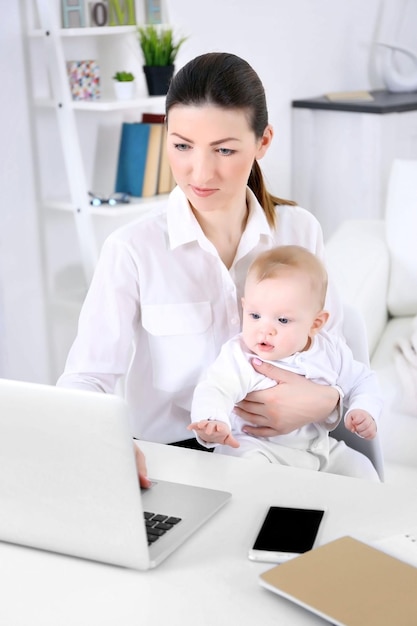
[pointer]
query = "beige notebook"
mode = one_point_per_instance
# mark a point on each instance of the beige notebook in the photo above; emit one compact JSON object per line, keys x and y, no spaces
{"x":349,"y":583}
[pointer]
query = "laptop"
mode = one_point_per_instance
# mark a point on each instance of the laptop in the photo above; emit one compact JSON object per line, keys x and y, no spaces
{"x":68,"y":480}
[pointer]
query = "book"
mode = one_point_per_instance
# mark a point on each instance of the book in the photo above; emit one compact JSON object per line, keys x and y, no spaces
{"x":344,"y":96}
{"x":132,"y":158}
{"x":153,"y":118}
{"x":153,"y":157}
{"x":165,"y":182}
{"x":348,"y":583}
{"x":143,"y":168}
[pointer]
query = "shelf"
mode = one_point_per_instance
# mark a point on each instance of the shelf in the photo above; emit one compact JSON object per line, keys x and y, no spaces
{"x":118,"y":105}
{"x":104,"y":104}
{"x":77,"y":151}
{"x":382,"y":102}
{"x":135,"y":207}
{"x":88,"y":31}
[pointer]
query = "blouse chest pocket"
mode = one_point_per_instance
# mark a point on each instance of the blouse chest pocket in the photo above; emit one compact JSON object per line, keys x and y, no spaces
{"x":181,"y":342}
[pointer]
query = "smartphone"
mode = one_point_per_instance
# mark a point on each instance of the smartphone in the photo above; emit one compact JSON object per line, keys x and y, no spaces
{"x":286,"y":532}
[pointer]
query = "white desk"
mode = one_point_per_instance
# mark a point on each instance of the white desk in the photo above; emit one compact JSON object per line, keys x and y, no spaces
{"x":209,"y":580}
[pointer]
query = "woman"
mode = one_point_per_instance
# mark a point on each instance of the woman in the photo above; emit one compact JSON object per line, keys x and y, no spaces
{"x":167,"y":289}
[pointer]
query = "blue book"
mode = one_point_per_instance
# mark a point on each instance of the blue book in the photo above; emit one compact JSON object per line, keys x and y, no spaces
{"x":132,"y":158}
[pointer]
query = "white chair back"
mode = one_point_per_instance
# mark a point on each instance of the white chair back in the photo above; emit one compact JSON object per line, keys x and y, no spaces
{"x":401,"y":236}
{"x":355,"y":332}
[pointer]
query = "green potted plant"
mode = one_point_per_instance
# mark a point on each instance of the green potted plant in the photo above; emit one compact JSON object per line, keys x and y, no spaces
{"x":124,"y":85}
{"x":159,"y":49}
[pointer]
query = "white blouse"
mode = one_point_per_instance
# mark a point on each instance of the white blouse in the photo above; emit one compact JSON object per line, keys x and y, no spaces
{"x":162,"y":303}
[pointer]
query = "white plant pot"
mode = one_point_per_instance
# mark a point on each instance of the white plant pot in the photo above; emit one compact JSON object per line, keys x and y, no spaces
{"x":124,"y":90}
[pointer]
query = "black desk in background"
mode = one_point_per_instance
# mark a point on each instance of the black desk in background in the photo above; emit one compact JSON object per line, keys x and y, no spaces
{"x":342,"y":153}
{"x":383,"y":102}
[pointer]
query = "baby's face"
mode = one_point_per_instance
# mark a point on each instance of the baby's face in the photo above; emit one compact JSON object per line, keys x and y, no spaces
{"x":279,"y":316}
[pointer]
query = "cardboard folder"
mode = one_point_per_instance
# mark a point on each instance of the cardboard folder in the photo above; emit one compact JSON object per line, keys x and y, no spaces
{"x":349,"y":583}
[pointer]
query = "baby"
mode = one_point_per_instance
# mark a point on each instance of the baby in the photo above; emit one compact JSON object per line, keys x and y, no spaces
{"x":283,"y":320}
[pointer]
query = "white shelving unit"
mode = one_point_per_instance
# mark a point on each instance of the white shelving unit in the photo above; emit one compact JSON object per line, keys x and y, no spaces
{"x":76,"y":146}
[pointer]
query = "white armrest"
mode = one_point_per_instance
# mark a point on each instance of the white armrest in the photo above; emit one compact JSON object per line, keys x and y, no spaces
{"x":358,"y":262}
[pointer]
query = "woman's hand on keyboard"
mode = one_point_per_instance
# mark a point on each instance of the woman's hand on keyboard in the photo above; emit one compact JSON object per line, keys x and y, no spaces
{"x":141,"y":467}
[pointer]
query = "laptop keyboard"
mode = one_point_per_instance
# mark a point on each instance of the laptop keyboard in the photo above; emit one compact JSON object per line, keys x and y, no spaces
{"x":157,"y":525}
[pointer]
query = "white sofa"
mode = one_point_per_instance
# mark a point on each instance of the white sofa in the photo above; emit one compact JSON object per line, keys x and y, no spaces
{"x":374,"y":263}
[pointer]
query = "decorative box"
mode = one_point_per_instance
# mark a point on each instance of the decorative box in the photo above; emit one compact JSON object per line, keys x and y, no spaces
{"x":84,"y":77}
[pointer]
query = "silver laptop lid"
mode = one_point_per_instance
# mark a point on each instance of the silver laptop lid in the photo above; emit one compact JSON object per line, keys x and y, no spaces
{"x":68,"y":479}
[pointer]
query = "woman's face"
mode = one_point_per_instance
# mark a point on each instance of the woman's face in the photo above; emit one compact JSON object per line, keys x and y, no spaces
{"x":211,"y":151}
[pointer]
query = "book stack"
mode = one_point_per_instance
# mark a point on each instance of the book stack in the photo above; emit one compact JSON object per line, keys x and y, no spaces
{"x":143,"y":169}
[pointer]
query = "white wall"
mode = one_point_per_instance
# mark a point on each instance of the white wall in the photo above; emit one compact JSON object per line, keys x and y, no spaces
{"x":300,"y":48}
{"x":23,"y":346}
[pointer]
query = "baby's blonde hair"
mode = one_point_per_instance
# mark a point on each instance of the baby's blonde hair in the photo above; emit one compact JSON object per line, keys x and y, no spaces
{"x":272,"y":263}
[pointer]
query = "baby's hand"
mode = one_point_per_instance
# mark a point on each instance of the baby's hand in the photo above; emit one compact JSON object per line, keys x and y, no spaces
{"x":361,"y":423}
{"x":212,"y":431}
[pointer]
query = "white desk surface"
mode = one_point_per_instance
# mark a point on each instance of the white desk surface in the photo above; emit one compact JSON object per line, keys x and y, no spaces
{"x":209,"y":580}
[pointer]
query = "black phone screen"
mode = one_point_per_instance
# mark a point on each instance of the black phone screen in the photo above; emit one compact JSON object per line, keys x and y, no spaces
{"x":289,"y":530}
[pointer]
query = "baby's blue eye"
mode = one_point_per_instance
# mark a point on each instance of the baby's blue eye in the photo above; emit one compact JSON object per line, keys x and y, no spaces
{"x":255,"y":316}
{"x":283,"y":320}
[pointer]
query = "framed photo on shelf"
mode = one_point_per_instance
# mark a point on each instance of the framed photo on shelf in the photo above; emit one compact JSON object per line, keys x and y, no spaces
{"x":84,"y":78}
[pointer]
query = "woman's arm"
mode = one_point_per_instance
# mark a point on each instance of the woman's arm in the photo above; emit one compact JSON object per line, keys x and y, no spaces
{"x":100,"y":353}
{"x":294,"y":402}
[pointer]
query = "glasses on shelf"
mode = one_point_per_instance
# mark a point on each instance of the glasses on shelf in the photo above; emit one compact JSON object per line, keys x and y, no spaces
{"x":115,"y":198}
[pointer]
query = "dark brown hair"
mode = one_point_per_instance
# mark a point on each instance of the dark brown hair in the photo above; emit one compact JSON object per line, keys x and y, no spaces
{"x":228,"y":81}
